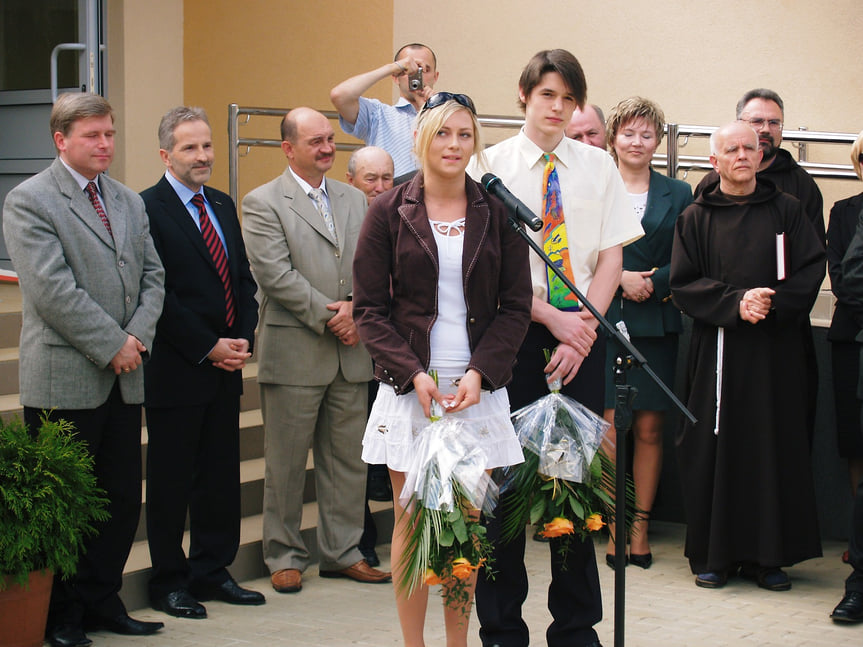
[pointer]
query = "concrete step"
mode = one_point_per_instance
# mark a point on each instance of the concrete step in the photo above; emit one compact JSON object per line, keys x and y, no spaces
{"x":249,"y":563}
{"x":8,"y":370}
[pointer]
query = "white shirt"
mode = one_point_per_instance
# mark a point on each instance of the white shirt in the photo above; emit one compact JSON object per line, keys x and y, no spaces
{"x":596,"y":206}
{"x":308,"y":188}
{"x":450,"y":345}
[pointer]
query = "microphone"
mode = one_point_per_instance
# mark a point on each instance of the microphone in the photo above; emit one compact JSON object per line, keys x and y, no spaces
{"x":494,"y":185}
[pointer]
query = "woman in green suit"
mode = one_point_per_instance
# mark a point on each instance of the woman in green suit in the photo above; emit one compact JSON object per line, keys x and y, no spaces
{"x":643,"y":301}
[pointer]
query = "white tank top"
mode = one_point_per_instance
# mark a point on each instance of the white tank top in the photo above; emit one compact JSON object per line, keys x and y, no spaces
{"x":450,"y":347}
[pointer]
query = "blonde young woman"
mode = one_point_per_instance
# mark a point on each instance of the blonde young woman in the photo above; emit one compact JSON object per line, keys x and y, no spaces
{"x":634,"y":130}
{"x":440,"y":282}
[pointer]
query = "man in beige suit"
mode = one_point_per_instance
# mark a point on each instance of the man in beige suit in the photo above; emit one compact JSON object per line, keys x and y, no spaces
{"x":301,"y":231}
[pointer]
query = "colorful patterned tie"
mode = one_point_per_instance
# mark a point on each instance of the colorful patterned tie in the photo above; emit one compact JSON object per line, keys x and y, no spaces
{"x":217,"y":251}
{"x":555,"y":242}
{"x":97,"y":205}
{"x":317,"y":196}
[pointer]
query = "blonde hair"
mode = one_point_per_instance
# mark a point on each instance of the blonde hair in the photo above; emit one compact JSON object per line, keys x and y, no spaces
{"x":629,"y":110}
{"x":856,"y":149}
{"x":430,"y":121}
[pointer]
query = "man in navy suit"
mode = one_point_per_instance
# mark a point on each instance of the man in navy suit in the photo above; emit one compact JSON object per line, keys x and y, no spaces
{"x":194,"y":382}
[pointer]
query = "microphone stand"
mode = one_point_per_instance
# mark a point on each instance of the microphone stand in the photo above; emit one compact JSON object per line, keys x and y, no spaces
{"x":624,"y":395}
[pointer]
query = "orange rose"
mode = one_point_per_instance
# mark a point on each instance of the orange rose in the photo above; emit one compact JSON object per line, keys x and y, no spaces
{"x":594,"y":522}
{"x":557,"y":527}
{"x":462,"y":568}
{"x":431,"y":578}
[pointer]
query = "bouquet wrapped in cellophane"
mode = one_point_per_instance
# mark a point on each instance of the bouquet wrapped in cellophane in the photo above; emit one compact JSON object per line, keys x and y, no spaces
{"x":563,"y":485}
{"x":445,"y":488}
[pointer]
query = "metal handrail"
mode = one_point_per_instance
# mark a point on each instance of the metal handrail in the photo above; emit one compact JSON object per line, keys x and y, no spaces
{"x":800,"y":138}
{"x":672,"y":161}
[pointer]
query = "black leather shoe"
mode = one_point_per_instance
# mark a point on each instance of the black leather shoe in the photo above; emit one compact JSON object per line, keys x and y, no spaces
{"x":125,"y":625}
{"x":180,"y":604}
{"x":67,"y":636}
{"x":228,"y":591}
{"x":850,"y":609}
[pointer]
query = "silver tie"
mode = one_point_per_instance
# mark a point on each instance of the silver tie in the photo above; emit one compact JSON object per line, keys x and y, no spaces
{"x":317,"y":196}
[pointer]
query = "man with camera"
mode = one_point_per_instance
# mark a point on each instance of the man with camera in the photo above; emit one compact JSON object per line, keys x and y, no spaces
{"x":414,"y":70}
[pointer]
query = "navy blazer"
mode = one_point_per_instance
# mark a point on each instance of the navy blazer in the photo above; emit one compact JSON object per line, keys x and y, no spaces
{"x":193,"y":317}
{"x":666,"y":199}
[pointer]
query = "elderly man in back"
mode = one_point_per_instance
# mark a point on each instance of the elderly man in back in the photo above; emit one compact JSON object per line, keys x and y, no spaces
{"x":370,"y":169}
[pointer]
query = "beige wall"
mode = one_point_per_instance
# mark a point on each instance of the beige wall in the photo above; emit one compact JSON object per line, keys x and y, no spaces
{"x":145,"y":79}
{"x":276,"y":54}
{"x":694,"y":58}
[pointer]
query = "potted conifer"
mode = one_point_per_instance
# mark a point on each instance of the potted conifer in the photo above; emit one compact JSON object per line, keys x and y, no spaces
{"x":49,"y":502}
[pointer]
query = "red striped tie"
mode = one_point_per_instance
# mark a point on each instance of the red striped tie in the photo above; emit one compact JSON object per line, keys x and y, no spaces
{"x":214,"y":244}
{"x":94,"y":198}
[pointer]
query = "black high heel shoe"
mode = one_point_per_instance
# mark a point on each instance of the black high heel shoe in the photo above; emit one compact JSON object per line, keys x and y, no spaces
{"x":642,"y":561}
{"x":610,"y":560}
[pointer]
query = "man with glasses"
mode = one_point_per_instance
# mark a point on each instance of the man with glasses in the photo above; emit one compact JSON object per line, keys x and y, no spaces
{"x":764,"y":110}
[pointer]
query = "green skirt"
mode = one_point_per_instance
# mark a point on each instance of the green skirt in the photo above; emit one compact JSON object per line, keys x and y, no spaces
{"x":661,"y":356}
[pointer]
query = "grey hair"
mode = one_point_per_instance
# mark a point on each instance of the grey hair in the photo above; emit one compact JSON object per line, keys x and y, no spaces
{"x":358,"y":154}
{"x":173,"y":118}
{"x":760,"y":93}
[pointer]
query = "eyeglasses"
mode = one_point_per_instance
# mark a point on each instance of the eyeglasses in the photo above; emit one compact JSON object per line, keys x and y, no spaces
{"x":440,"y":98}
{"x":773,"y":124}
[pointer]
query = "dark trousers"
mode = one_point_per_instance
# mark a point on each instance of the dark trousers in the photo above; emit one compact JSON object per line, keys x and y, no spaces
{"x":112,"y":433}
{"x":855,"y":545}
{"x":193,"y":465}
{"x":574,"y":597}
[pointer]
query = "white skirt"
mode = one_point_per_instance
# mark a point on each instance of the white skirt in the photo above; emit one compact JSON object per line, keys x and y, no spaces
{"x":396,"y":421}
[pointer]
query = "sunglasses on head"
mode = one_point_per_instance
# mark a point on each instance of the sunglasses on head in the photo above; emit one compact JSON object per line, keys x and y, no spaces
{"x":440,"y":98}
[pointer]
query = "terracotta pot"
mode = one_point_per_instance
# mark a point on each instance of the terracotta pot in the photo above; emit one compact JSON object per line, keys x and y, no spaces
{"x":24,"y":611}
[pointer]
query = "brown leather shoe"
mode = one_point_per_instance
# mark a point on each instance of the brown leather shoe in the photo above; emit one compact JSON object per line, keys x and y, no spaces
{"x":287,"y":580}
{"x":361,"y":572}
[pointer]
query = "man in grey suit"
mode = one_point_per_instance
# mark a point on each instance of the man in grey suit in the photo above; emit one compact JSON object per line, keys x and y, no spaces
{"x":301,"y":231}
{"x":92,"y":290}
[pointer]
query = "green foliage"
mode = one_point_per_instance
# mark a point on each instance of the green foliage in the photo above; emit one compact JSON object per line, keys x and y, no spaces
{"x":536,"y":499}
{"x":49,"y":499}
{"x":437,"y":539}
